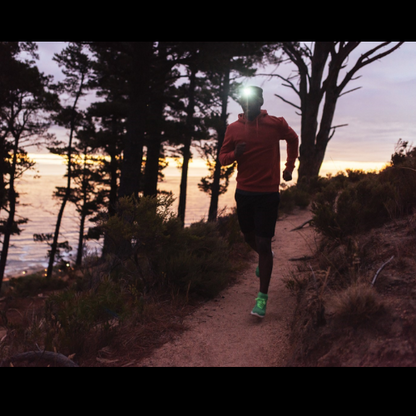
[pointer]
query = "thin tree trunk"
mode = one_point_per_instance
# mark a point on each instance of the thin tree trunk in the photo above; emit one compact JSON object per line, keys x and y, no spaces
{"x":141,"y":53}
{"x":80,"y":240}
{"x":54,"y":246}
{"x":12,"y":210}
{"x":2,"y":170}
{"x":213,"y":208}
{"x":187,"y":146}
{"x":154,"y":130}
{"x":152,"y":166}
{"x":112,"y":197}
{"x":83,"y":212}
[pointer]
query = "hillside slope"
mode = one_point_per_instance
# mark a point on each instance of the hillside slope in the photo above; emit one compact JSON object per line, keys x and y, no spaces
{"x":354,"y":323}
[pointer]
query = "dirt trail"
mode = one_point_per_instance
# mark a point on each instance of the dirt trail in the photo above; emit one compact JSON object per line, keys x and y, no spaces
{"x":222,"y":333}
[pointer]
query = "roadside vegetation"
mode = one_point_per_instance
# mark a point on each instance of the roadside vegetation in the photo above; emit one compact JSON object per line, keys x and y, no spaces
{"x":132,"y":300}
{"x":355,"y":297}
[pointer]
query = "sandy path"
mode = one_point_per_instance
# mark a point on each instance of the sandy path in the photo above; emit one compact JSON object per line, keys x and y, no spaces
{"x":222,"y":333}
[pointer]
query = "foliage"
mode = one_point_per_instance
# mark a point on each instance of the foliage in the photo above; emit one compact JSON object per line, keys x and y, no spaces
{"x":61,"y":246}
{"x":156,"y":258}
{"x":153,"y":249}
{"x":73,"y":316}
{"x":34,"y":284}
{"x":293,"y":196}
{"x":198,"y":261}
{"x":225,"y":175}
{"x":26,"y":97}
{"x":361,"y":201}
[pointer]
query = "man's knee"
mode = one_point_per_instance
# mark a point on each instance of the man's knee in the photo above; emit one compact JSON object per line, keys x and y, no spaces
{"x":264,"y":245}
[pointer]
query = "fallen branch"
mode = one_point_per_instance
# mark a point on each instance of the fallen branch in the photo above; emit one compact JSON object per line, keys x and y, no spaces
{"x":301,"y":226}
{"x":301,"y":258}
{"x":380,"y":269}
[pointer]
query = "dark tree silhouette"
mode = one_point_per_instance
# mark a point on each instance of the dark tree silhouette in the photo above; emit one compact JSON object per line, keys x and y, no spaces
{"x":318,"y":81}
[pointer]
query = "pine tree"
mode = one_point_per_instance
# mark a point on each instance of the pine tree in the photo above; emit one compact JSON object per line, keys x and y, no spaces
{"x":77,"y":69}
{"x":25,"y":99}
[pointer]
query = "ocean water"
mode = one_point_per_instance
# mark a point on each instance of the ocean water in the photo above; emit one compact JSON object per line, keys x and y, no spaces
{"x":37,"y":204}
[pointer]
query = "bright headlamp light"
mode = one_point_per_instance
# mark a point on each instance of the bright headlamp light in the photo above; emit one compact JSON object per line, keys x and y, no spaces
{"x":247,"y":92}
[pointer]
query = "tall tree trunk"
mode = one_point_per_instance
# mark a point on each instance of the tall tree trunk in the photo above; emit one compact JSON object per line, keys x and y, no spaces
{"x":314,"y":142}
{"x":310,"y":158}
{"x":213,"y":208}
{"x":154,"y":131}
{"x":54,"y":246}
{"x":12,"y":210}
{"x":84,"y":212}
{"x":152,"y":166}
{"x":140,"y":53}
{"x":81,"y":238}
{"x":2,"y":171}
{"x":187,"y":145}
{"x":112,"y":197}
{"x":313,"y":147}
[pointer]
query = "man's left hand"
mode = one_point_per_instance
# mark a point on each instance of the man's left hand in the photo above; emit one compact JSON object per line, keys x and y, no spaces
{"x":287,"y":176}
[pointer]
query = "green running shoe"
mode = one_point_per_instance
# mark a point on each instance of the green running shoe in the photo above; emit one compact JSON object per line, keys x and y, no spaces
{"x":261,"y":303}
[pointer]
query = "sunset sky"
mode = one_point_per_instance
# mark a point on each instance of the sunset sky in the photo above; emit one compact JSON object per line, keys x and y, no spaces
{"x":378,"y":115}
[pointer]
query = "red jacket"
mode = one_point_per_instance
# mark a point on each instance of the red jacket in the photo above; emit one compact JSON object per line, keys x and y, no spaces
{"x":259,"y":166}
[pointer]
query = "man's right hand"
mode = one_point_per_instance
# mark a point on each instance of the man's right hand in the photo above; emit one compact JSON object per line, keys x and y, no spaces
{"x":239,"y":149}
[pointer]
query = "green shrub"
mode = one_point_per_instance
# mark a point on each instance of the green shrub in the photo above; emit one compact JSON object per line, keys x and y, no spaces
{"x":364,"y":206}
{"x":158,"y":252}
{"x":359,"y":207}
{"x":73,"y":317}
{"x":34,"y":284}
{"x":361,"y":201}
{"x":292,"y":197}
{"x":199,"y":261}
{"x":229,"y":229}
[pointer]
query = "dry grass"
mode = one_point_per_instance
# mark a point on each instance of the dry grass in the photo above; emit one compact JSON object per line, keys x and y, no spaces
{"x":356,"y":305}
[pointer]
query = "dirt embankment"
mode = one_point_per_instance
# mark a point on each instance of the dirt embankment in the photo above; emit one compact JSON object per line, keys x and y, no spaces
{"x":342,"y":320}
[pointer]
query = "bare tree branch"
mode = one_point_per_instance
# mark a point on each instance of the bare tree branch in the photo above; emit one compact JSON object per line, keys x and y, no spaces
{"x":288,"y":102}
{"x":296,"y":57}
{"x":366,"y":60}
{"x":284,"y":79}
{"x":346,"y":92}
{"x":335,"y":128}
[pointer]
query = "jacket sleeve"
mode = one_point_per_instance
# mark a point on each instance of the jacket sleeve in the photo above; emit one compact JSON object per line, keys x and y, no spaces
{"x":292,"y":141}
{"x":227,"y":156}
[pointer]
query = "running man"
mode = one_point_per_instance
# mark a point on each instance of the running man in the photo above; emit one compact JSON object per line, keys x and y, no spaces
{"x":253,"y":141}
